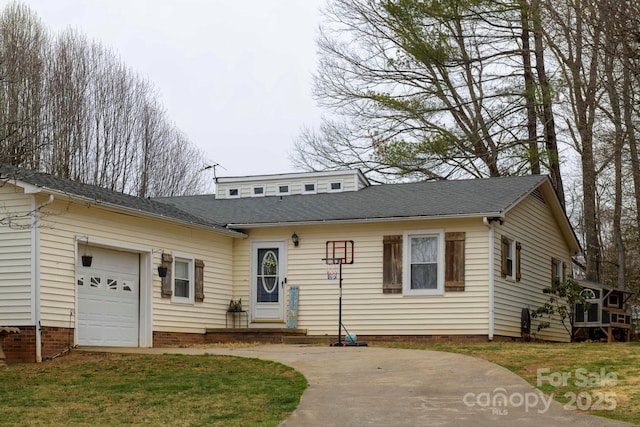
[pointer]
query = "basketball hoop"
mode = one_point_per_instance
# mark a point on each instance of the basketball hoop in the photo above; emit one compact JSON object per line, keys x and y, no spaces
{"x":332,"y":272}
{"x":339,"y":253}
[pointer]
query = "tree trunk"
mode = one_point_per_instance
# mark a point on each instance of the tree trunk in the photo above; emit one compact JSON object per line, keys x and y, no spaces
{"x":631,"y":138}
{"x":529,"y":91}
{"x":549,"y":126}
{"x":609,"y":53}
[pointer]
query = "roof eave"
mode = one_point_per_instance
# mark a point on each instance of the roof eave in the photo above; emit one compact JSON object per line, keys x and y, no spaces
{"x":596,"y":285}
{"x":550,"y":195}
{"x":33,"y":189}
{"x":364,"y":220}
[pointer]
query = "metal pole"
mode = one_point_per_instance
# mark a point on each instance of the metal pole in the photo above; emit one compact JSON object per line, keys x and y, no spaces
{"x":340,"y":307}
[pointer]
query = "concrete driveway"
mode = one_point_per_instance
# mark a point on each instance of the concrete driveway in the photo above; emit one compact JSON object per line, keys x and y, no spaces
{"x":371,"y":386}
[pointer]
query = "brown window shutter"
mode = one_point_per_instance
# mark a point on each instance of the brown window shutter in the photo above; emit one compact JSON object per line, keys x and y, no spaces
{"x":166,"y":289}
{"x":505,"y":251}
{"x":199,"y":281}
{"x":454,"y":262}
{"x":564,"y":272}
{"x":392,"y":265}
{"x":517,"y":261}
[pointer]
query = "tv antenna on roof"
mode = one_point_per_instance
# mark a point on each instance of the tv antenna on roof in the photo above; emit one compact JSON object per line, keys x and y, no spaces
{"x":214,"y":166}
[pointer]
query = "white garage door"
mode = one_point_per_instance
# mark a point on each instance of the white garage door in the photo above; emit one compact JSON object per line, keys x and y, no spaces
{"x":108,"y":295}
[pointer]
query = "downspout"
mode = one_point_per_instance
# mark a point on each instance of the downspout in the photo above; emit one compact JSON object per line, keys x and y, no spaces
{"x":35,"y":256}
{"x":489,"y":223}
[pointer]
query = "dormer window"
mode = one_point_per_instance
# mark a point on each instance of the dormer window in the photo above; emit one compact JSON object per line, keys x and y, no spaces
{"x":283,"y":189}
{"x":258,"y":191}
{"x":233,"y":192}
{"x":309,"y":188}
{"x":335,"y":186}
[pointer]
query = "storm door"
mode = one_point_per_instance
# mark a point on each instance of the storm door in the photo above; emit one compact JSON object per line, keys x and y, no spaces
{"x":267,"y":281}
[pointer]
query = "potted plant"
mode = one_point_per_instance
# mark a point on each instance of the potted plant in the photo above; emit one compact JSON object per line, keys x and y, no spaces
{"x":86,"y":260}
{"x":235,"y":306}
{"x":162,"y":271}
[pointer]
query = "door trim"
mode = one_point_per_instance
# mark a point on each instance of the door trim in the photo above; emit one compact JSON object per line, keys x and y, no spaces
{"x":278,"y":315}
{"x":145,"y":279}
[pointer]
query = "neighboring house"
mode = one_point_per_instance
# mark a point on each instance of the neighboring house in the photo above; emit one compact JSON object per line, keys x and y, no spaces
{"x":432,"y":260}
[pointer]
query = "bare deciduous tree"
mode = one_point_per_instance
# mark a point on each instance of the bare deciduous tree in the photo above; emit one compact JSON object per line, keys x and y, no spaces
{"x":431,"y":90}
{"x":72,"y":108}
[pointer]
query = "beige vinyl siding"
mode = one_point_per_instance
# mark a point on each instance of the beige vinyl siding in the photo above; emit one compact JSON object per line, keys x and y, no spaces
{"x":127,"y":232}
{"x":15,"y":257}
{"x":366,"y":309}
{"x":350,"y":181}
{"x":531,"y":223}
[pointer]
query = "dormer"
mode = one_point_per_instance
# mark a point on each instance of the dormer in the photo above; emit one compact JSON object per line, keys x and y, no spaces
{"x":290,"y":183}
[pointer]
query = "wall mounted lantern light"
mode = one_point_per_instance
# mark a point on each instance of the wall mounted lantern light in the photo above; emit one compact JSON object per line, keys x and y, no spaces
{"x":295,"y":239}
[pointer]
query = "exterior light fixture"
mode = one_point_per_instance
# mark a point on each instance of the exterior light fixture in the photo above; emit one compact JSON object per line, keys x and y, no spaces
{"x":295,"y":239}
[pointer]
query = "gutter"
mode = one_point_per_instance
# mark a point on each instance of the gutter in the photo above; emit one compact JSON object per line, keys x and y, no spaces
{"x":490,"y":215}
{"x":489,"y":222}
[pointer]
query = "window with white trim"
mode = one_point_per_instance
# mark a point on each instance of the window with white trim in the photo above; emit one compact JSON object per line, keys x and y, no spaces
{"x":557,"y":270}
{"x":183,"y":280}
{"x":233,"y":192}
{"x":309,"y":188}
{"x":258,"y":191}
{"x":510,"y":268}
{"x":454,"y":263}
{"x":424,"y":262}
{"x":283,"y":189}
{"x":335,"y":186}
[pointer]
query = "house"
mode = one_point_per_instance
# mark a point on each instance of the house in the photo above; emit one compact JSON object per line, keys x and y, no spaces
{"x":431,"y":260}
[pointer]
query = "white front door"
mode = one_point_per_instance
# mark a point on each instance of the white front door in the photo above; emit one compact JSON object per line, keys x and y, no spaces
{"x":267,"y":281}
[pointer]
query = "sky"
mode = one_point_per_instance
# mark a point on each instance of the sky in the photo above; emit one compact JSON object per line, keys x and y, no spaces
{"x":235,"y":76}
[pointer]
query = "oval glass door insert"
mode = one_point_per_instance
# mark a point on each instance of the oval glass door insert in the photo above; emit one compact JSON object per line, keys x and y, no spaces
{"x":269,"y":270}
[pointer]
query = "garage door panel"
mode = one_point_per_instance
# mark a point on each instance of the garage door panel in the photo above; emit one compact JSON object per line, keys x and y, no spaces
{"x":110,"y":260}
{"x":108,"y":301}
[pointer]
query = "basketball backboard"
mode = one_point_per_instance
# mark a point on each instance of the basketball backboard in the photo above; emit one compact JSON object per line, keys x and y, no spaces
{"x":339,"y":252}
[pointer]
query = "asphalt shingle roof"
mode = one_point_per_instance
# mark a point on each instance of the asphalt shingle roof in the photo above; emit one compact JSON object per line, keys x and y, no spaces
{"x":102,"y":195}
{"x":475,"y":197}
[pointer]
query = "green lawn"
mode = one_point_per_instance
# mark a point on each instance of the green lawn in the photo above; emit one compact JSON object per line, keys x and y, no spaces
{"x":115,"y":389}
{"x":579,"y":375}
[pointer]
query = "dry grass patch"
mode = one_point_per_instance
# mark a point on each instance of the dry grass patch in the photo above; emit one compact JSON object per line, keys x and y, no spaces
{"x":119,"y":389}
{"x":608,"y":374}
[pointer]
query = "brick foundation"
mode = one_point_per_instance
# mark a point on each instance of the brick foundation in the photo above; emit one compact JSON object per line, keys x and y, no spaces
{"x":258,"y":335}
{"x":21,"y":348}
{"x":176,"y":339}
{"x":277,"y":336}
{"x":55,"y":340}
{"x":423,"y":338}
